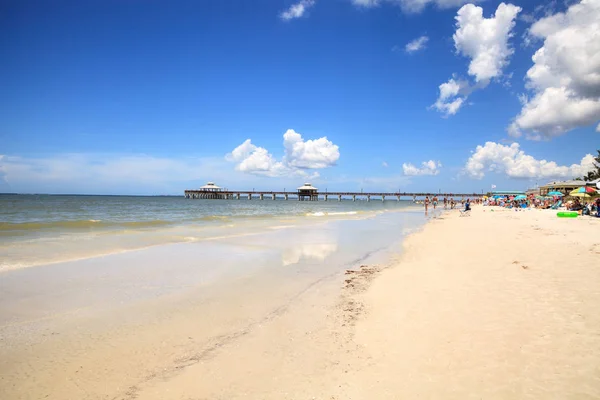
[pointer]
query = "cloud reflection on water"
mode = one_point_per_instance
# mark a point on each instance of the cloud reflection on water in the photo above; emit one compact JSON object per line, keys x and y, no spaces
{"x":312,"y":251}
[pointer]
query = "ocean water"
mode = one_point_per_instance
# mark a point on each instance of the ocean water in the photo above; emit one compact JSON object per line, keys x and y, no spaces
{"x":43,"y":229}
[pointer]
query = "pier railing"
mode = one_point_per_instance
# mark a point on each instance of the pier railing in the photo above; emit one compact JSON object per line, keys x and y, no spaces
{"x":285,"y":195}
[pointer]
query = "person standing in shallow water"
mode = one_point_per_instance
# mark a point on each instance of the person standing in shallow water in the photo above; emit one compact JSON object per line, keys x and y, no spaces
{"x":435,"y":200}
{"x":426,"y":203}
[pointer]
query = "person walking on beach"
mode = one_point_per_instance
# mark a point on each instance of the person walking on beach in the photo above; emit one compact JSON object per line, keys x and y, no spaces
{"x":426,"y":203}
{"x":445,"y":203}
{"x":435,"y":202}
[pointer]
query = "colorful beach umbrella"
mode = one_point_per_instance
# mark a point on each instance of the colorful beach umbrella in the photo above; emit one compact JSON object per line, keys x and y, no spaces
{"x":520,"y":197}
{"x":584,"y":191}
{"x":555,"y":194}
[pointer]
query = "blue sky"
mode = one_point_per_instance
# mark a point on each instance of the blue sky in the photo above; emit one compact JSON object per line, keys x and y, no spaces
{"x":153,"y":97}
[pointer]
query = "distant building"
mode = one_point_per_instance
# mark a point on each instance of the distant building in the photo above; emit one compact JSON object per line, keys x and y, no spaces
{"x":308,"y":192}
{"x":561,"y":186}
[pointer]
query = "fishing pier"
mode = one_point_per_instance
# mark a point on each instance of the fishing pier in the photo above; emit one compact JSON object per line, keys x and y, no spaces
{"x":307,"y":192}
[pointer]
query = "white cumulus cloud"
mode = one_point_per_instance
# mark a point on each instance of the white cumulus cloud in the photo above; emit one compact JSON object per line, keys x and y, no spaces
{"x":256,"y":160}
{"x":300,"y":155}
{"x":297,"y":10}
{"x":419,"y":43}
{"x":413,"y":6}
{"x":314,"y":154}
{"x":565,"y":76}
{"x":427,"y":168}
{"x":452,"y":96}
{"x":485,"y":42}
{"x":515,"y":163}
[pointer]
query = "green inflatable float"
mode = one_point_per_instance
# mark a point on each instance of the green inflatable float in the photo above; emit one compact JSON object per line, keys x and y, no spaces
{"x":567,"y":214}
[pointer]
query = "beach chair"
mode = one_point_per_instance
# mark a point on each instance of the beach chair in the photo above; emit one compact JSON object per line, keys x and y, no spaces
{"x":467,"y":211}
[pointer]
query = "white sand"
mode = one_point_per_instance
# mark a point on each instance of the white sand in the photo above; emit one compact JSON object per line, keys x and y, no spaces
{"x":498,"y":305}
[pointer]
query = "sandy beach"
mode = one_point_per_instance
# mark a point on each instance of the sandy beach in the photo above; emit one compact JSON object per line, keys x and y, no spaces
{"x":498,"y":305}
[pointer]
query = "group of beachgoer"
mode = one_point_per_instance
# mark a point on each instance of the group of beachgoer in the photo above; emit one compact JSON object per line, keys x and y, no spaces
{"x":586,"y":208}
{"x":449,"y":203}
{"x":590,"y":207}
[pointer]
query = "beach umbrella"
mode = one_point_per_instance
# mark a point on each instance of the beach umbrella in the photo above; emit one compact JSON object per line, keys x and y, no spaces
{"x":555,"y":194}
{"x":584,"y":191}
{"x":520,"y":197}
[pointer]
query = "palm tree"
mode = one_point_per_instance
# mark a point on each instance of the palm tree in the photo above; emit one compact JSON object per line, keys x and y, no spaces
{"x":594,"y":173}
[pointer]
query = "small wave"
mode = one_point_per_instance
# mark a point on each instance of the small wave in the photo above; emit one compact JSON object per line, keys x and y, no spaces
{"x":77,"y":225}
{"x":212,"y":218}
{"x":328,"y":214}
{"x":282,"y":226}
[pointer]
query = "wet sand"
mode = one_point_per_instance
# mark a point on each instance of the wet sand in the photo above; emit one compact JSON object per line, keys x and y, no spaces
{"x":106,"y":327}
{"x":497,"y":305}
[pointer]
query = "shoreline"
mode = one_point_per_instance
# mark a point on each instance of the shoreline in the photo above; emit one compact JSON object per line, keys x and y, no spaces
{"x":54,"y":247}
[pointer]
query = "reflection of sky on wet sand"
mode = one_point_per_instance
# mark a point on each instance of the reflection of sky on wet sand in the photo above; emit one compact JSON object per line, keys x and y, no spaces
{"x":310,"y":245}
{"x":312,"y":251}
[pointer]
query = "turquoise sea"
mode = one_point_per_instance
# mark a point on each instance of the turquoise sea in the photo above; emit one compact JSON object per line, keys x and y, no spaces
{"x":41,"y":229}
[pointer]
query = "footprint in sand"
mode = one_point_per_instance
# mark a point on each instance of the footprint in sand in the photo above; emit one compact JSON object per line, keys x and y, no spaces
{"x":522,"y":265}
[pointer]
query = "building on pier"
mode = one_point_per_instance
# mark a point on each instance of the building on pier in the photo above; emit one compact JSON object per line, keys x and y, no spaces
{"x":210,"y":191}
{"x":308,"y":192}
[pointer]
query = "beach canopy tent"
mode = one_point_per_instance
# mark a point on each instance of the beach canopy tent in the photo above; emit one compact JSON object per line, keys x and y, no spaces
{"x":554,"y":194}
{"x":520,"y":197}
